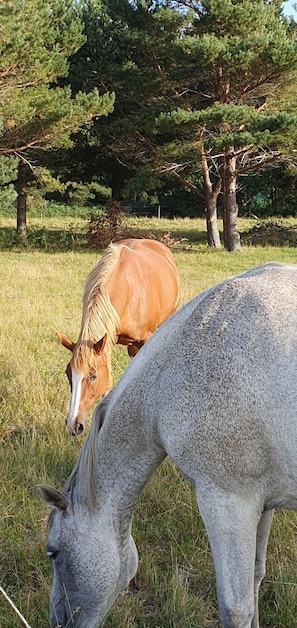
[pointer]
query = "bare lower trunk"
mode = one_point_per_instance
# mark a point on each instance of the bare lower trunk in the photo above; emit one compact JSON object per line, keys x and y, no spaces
{"x":213,"y":234}
{"x":22,"y":200}
{"x":230,"y":207}
{"x":211,"y":194}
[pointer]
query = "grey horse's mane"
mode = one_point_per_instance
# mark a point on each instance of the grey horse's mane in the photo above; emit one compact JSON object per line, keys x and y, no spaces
{"x":83,"y":474}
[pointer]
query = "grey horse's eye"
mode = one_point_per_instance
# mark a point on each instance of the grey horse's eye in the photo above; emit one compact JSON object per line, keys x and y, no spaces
{"x":52,"y":554}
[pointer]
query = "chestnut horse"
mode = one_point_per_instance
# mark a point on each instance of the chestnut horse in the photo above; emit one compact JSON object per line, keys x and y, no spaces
{"x":133,"y":288}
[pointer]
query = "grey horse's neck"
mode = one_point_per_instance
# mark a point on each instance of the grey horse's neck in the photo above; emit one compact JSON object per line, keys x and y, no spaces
{"x":116,"y":460}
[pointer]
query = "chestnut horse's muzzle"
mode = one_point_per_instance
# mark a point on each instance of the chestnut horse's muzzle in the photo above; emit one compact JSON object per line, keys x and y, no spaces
{"x":76,"y":429}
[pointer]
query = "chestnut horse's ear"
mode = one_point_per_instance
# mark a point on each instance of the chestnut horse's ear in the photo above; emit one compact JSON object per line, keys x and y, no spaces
{"x":99,"y":346}
{"x":52,"y":497}
{"x":66,"y":342}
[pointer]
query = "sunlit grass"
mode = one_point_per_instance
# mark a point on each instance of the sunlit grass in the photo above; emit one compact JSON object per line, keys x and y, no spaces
{"x":40,"y":293}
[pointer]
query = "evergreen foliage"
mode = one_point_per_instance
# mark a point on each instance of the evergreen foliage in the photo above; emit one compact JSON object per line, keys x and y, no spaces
{"x":37,"y":38}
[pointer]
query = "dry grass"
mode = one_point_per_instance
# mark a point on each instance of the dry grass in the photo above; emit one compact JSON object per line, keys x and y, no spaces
{"x":40,"y":293}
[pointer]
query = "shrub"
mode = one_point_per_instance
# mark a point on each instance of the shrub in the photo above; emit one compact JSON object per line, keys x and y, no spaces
{"x":107,"y":227}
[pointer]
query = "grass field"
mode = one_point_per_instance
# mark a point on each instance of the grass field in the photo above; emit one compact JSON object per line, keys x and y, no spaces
{"x":40,"y":293}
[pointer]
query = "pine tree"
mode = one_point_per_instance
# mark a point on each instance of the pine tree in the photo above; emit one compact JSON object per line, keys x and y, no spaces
{"x":37,"y":39}
{"x":243,"y":54}
{"x":197,"y":87}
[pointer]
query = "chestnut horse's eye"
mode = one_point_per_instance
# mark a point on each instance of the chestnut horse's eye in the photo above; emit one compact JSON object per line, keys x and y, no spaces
{"x":92,"y":377}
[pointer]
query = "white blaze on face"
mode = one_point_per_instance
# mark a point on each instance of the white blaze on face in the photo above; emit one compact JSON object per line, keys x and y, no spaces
{"x":75,"y":397}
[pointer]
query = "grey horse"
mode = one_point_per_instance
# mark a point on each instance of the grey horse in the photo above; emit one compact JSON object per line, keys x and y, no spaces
{"x":215,"y":388}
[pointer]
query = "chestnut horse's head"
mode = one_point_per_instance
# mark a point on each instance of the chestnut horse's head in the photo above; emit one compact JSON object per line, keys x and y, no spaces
{"x":89,"y":375}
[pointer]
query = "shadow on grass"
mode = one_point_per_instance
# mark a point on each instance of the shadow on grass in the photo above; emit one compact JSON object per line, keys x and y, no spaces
{"x":62,"y":240}
{"x":48,"y":240}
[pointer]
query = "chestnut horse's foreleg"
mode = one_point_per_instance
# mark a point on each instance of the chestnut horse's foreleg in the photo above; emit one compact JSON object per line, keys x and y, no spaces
{"x":134,"y":348}
{"x":133,"y":345}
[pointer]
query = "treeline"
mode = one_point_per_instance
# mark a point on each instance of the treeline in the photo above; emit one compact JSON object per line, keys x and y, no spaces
{"x":186,"y":104}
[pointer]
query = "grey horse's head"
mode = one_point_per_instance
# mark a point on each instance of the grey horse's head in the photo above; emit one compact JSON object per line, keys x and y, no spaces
{"x":91,"y":564}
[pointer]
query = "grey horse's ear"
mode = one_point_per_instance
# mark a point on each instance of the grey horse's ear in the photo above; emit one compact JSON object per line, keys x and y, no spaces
{"x":52,"y":497}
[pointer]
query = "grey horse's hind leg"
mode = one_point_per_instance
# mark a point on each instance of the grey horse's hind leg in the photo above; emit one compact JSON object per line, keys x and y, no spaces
{"x":263,"y":531}
{"x":231,"y":523}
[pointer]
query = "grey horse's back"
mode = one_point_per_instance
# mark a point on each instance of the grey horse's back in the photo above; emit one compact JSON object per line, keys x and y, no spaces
{"x":228,"y":391}
{"x":244,"y":320}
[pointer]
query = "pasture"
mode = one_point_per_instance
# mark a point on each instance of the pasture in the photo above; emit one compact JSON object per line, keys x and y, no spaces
{"x":41,"y":292}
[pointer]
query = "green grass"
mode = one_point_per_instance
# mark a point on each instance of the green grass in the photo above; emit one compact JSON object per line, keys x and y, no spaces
{"x":41,"y":292}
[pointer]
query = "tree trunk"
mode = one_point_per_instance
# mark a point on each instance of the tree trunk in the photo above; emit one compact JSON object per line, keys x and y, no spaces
{"x":230,"y":207}
{"x":211,"y":196}
{"x":213,"y":234}
{"x":22,"y":199}
{"x":66,"y":196}
{"x":118,"y":177}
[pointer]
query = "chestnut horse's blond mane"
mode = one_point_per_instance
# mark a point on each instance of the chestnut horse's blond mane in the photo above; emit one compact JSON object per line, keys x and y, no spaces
{"x":99,"y":317}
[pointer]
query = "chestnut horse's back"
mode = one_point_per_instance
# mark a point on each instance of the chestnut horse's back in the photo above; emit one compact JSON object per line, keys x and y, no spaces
{"x":144,"y":287}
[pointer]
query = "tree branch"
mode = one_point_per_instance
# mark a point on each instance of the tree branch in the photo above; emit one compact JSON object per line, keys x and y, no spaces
{"x":187,"y":184}
{"x":18,"y":149}
{"x":260,"y":163}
